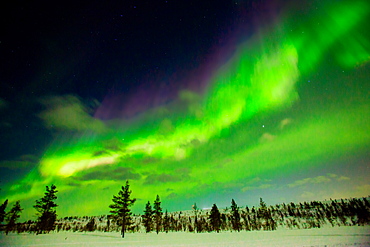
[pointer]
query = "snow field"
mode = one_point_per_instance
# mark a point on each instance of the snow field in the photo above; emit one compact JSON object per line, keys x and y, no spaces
{"x":336,"y":236}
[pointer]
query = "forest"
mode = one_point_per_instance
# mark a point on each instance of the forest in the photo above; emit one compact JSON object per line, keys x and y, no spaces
{"x":304,"y":215}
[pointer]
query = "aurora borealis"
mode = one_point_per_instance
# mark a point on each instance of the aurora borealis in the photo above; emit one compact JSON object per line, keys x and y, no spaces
{"x":283,"y":115}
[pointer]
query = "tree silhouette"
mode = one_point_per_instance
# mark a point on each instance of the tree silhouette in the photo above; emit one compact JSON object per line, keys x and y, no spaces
{"x":215,"y":218}
{"x":148,"y":217}
{"x":46,"y":210}
{"x":121,"y":208}
{"x":90,"y":226}
{"x":166,"y":222}
{"x":235,"y":216}
{"x":2,"y":210}
{"x":197,"y":223}
{"x":265,"y":214}
{"x":12,"y":216}
{"x":157,"y":214}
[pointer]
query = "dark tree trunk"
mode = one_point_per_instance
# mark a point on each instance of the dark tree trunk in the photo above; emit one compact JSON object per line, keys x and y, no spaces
{"x":123,"y":231}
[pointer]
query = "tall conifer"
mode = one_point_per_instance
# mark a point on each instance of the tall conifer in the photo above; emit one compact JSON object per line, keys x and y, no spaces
{"x":148,"y":217}
{"x":46,"y":210}
{"x":166,"y":222}
{"x":235,"y":216}
{"x":12,"y":217}
{"x":157,"y":214}
{"x":121,"y":207}
{"x":215,"y":218}
{"x":2,"y":210}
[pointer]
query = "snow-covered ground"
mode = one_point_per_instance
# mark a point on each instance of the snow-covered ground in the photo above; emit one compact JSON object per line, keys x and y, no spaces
{"x":336,"y":236}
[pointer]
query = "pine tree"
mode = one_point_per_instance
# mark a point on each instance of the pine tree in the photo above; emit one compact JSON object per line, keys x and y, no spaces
{"x":46,"y":210}
{"x":244,"y":216}
{"x":148,"y":217}
{"x":2,"y":210}
{"x":224,"y":223}
{"x":166,"y":222}
{"x":197,"y":226}
{"x":90,"y":226}
{"x":157,"y":214}
{"x":215,"y":218}
{"x":235,"y":216}
{"x":121,"y":207}
{"x":12,"y":216}
{"x":263,"y":215}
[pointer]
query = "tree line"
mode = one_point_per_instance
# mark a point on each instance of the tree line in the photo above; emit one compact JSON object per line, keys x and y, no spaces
{"x":314,"y":214}
{"x":46,"y":214}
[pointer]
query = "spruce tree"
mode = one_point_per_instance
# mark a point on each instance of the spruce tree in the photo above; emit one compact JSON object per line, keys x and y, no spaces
{"x":148,"y":217}
{"x":121,"y":207}
{"x":263,"y":215}
{"x":235,"y":216}
{"x":2,"y":210}
{"x":197,"y":226}
{"x":46,"y":210}
{"x":12,"y":216}
{"x":215,"y":218}
{"x":166,"y":222}
{"x":157,"y":214}
{"x":90,"y":226}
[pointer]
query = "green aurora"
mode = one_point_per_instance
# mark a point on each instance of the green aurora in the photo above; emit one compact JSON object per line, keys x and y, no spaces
{"x":256,"y":129}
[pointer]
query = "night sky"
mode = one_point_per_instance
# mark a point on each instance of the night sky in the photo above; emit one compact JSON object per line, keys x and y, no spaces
{"x":196,"y":101}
